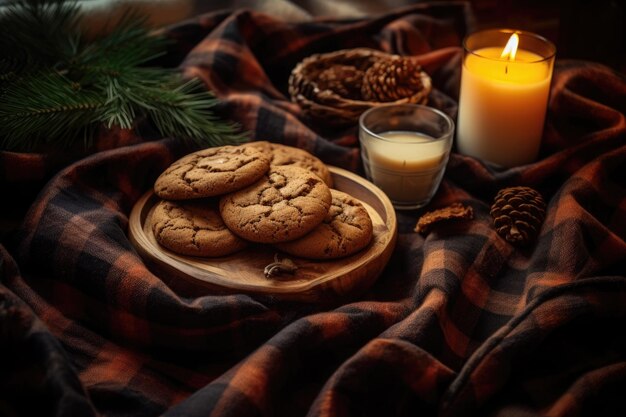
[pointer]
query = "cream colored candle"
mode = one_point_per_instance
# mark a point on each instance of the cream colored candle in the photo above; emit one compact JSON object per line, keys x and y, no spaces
{"x":502,"y":104}
{"x":407,"y":166}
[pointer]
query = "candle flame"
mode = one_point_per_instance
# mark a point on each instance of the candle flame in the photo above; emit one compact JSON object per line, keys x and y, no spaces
{"x":510,"y":49}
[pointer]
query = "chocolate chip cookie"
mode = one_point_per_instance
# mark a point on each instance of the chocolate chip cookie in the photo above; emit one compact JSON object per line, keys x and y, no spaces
{"x":346,"y":229}
{"x":285,"y":204}
{"x":283,"y":155}
{"x":193,"y":228}
{"x":211,"y":172}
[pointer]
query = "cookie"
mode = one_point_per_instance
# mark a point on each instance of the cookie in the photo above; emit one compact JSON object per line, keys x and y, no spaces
{"x":456,"y":211}
{"x":283,"y":155}
{"x":211,"y":172}
{"x":346,"y":229}
{"x":193,"y":228}
{"x":288,"y":202}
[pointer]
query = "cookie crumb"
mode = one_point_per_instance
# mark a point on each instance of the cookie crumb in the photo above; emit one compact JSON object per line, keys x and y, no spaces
{"x":456,"y":211}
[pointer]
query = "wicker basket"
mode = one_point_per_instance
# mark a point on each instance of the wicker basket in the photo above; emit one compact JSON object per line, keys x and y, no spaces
{"x":323,"y":104}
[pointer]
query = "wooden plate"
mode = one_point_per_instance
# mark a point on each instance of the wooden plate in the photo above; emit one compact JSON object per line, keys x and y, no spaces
{"x":242,"y":272}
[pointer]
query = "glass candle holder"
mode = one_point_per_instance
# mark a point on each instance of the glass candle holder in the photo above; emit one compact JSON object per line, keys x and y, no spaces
{"x":405,"y":149}
{"x":505,"y":83}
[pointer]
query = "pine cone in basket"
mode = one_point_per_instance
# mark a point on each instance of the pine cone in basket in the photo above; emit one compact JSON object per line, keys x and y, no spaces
{"x":518,"y":213}
{"x":392,"y":79}
{"x":328,"y":87}
{"x":344,"y":80}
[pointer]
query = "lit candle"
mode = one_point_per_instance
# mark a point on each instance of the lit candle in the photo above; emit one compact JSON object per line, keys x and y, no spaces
{"x":405,"y":149}
{"x":504,"y":95}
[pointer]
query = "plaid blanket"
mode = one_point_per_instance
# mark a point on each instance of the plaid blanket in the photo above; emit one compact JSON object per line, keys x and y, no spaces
{"x":460,"y":323}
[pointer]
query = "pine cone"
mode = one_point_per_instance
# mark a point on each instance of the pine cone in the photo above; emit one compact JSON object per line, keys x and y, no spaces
{"x":392,"y":79}
{"x":344,"y":80}
{"x":518,"y":213}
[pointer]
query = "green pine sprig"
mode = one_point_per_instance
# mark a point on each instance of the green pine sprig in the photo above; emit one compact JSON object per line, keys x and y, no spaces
{"x":64,"y":113}
{"x":56,"y":88}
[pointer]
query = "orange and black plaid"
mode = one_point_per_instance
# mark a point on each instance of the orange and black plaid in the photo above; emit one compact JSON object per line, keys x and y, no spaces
{"x":459,"y":324}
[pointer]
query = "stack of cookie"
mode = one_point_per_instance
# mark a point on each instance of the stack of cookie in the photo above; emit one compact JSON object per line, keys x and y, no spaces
{"x":217,"y":200}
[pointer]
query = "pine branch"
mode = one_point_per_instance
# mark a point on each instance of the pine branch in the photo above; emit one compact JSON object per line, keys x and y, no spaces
{"x":186,"y":113}
{"x":55,"y":89}
{"x":130,"y":45}
{"x":179,"y":109}
{"x":39,"y":33}
{"x":28,"y":117}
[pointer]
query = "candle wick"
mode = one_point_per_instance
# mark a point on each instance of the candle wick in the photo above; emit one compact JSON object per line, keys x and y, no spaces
{"x":506,"y":69}
{"x":404,"y":164}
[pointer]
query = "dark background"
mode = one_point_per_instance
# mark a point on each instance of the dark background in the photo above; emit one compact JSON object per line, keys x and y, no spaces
{"x":581,"y":29}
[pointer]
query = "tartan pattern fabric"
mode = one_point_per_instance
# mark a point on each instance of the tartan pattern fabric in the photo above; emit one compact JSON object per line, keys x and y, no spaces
{"x":460,"y":322}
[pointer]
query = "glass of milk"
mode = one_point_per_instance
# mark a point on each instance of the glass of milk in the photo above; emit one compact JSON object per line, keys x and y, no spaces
{"x":405,"y":150}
